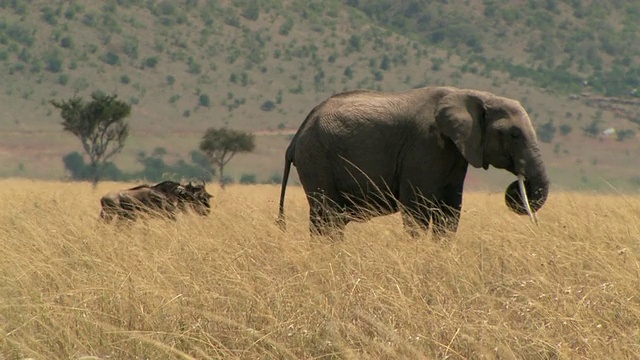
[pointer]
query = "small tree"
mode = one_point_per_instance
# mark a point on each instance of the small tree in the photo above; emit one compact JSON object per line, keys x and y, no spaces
{"x":99,"y":125}
{"x":222,"y":144}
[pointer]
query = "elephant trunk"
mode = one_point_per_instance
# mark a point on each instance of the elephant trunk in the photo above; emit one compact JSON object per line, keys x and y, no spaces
{"x":536,"y":185}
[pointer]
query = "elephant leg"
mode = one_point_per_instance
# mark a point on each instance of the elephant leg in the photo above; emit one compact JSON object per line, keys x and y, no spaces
{"x":416,"y":213}
{"x":326,"y":217}
{"x":447,"y":216}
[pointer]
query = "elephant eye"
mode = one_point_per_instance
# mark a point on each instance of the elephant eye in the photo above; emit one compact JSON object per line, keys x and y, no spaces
{"x":515,"y":133}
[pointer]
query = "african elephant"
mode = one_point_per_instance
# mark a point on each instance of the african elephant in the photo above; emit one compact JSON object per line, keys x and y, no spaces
{"x":361,"y":154}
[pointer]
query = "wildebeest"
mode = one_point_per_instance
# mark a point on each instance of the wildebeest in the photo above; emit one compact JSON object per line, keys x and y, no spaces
{"x":162,"y":200}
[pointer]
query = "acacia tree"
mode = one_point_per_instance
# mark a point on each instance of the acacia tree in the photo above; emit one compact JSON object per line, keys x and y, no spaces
{"x":99,"y":125}
{"x":220,"y":145}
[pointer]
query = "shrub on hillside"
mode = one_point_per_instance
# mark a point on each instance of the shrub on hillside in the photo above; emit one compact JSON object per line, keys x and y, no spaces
{"x":268,"y":105}
{"x":79,"y":170}
{"x":565,"y":129}
{"x":547,"y":131}
{"x":247,"y":179}
{"x":155,"y":168}
{"x":623,"y":134}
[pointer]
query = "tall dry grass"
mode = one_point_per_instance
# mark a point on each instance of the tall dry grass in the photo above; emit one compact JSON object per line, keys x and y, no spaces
{"x":233,"y":286}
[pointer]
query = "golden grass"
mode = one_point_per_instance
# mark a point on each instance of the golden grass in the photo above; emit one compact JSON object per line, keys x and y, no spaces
{"x":233,"y":286}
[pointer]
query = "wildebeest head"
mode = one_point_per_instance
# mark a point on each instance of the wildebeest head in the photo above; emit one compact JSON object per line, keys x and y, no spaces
{"x":199,"y":197}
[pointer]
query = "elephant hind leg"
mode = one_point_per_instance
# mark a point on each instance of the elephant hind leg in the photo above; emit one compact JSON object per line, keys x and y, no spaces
{"x":447,"y":215}
{"x":326,"y":218}
{"x":327,"y":225}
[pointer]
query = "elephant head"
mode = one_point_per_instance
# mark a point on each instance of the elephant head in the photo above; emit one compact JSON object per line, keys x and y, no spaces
{"x":492,"y":130}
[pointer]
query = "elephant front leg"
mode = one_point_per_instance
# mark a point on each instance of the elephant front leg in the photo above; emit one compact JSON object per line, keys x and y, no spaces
{"x":416,"y":212}
{"x":416,"y":217}
{"x":447,"y":215}
{"x":445,"y":221}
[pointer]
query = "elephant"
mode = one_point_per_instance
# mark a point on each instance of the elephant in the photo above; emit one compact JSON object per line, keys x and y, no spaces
{"x":362,"y":153}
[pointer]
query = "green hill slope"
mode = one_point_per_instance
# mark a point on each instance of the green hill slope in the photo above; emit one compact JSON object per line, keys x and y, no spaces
{"x":557,"y":44}
{"x":262,"y":65}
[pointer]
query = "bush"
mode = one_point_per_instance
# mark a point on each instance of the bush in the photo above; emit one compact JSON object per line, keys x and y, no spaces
{"x":63,"y":79}
{"x":286,"y":27}
{"x":565,"y":129}
{"x":125,"y":79}
{"x":385,"y":64}
{"x":156,"y":169}
{"x":53,"y":63}
{"x":355,"y":43}
{"x":246,"y":179}
{"x":79,"y":170}
{"x":150,"y":62}
{"x":20,"y":33}
{"x":547,"y":131}
{"x":623,"y":134}
{"x":593,"y":129}
{"x":174,"y":98}
{"x":204,"y":100}
{"x":111,"y":58}
{"x":274,"y":179}
{"x":193,"y":66}
{"x":227,"y":179}
{"x":348,"y":72}
{"x":74,"y":164}
{"x":130,"y":48}
{"x":66,"y":42}
{"x":251,"y":11}
{"x":268,"y":106}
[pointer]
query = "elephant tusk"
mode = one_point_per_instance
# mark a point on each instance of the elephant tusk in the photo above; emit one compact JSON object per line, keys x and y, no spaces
{"x":525,"y":200}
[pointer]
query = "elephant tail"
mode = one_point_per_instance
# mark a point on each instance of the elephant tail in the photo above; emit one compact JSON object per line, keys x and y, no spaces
{"x":288,"y":160}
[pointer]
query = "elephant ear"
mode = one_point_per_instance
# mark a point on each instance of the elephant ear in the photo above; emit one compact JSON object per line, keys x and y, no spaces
{"x":460,"y":117}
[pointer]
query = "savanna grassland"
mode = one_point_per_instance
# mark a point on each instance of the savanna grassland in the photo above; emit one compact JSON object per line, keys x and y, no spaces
{"x":232,"y":285}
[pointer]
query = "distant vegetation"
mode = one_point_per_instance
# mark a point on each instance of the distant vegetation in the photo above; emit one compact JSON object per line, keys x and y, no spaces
{"x":99,"y":124}
{"x":221,"y":145}
{"x":154,"y":168}
{"x":563,"y":44}
{"x":256,"y":65}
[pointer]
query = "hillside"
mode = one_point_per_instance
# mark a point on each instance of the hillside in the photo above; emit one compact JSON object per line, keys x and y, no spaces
{"x":262,"y":65}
